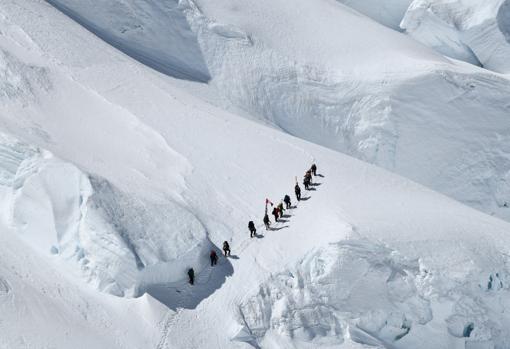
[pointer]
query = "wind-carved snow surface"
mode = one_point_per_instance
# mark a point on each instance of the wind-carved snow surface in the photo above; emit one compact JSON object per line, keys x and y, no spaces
{"x":118,"y":241}
{"x":323,"y":301}
{"x":473,"y":31}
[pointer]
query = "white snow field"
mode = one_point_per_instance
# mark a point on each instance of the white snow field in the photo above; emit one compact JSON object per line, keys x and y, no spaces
{"x":120,"y":168}
{"x":344,"y":82}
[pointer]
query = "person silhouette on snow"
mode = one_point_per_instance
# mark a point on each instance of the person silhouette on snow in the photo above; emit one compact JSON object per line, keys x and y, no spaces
{"x":297,"y":190}
{"x":286,"y":199}
{"x":306,"y":183}
{"x":214,"y":258}
{"x":251,"y":227}
{"x":276,"y":213}
{"x":314,"y":169}
{"x":267,"y":222}
{"x":308,"y":175}
{"x":191,"y":276}
{"x":281,"y":209}
{"x":226,"y":248}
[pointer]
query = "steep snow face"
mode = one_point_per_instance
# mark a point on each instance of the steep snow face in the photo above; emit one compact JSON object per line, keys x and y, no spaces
{"x":117,"y":241}
{"x":388,"y":13}
{"x":154,"y":32}
{"x":473,"y":31}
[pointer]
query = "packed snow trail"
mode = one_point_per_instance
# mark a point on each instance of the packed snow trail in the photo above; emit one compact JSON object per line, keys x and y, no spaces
{"x":246,"y":266}
{"x":179,"y":295}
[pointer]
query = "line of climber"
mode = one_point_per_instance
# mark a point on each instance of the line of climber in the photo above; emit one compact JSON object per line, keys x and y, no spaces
{"x":277,"y":212}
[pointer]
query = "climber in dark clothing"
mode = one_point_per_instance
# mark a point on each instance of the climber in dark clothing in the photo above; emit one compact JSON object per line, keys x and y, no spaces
{"x":191,"y":276}
{"x":286,"y":199}
{"x":306,"y":183}
{"x":226,"y":248}
{"x":308,"y":175}
{"x":276,"y":213}
{"x":267,"y":222}
{"x":251,"y":227}
{"x":280,"y":209}
{"x":214,"y":258}
{"x":314,"y":169}
{"x":297,"y":190}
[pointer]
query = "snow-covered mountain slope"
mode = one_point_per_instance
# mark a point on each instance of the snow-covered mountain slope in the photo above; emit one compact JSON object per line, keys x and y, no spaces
{"x":474,"y":31}
{"x":357,"y":93}
{"x":357,"y":87}
{"x":366,"y":93}
{"x":115,"y":179}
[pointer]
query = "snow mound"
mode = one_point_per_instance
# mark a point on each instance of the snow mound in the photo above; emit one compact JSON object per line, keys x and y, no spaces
{"x":117,"y":240}
{"x":473,"y":31}
{"x":153,"y":32}
{"x":364,"y":292}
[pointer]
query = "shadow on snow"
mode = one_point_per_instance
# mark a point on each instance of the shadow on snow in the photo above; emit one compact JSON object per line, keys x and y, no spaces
{"x":181,"y":294}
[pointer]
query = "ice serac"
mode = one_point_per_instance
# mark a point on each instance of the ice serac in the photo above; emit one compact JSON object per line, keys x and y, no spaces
{"x":117,"y":241}
{"x":472,"y":31}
